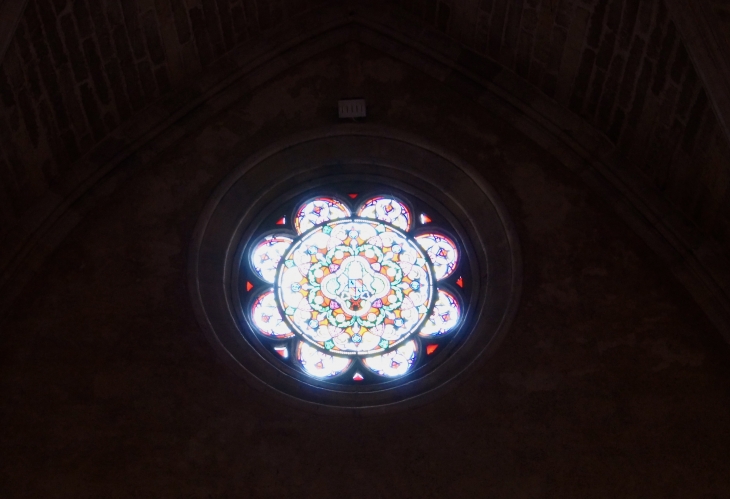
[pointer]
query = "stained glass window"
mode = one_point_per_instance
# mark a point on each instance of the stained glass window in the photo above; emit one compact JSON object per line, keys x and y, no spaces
{"x":317,"y":211}
{"x":267,"y":318}
{"x":355,"y":286}
{"x":353,"y":290}
{"x":388,"y":210}
{"x":394,"y":363}
{"x":266,"y":256}
{"x":442,"y":251}
{"x":445,"y":315}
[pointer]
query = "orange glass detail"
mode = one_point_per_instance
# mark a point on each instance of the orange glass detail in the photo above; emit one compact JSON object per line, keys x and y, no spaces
{"x":358,"y":377}
{"x":282,"y":221}
{"x":425,"y":219}
{"x":431,"y":349}
{"x":249,"y":286}
{"x":353,"y":196}
{"x":460,"y":282}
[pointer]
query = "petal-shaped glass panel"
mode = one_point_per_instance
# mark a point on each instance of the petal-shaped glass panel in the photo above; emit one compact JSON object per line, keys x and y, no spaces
{"x":388,"y":210}
{"x":318,"y":211}
{"x":319,"y":364}
{"x":266,"y":317}
{"x":443,"y":253}
{"x":267,"y":254}
{"x":445,"y":316}
{"x":395,"y":363}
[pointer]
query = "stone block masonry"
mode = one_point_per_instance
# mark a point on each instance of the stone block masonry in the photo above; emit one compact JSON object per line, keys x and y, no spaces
{"x":78,"y":70}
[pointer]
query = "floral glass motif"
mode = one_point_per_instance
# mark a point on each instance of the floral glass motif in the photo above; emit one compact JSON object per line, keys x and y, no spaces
{"x":267,"y":318}
{"x":394,"y":363}
{"x":354,"y":290}
{"x":318,"y":211}
{"x":388,"y":210}
{"x":443,"y":253}
{"x":319,"y":364}
{"x":445,"y":316}
{"x":355,"y":286}
{"x":265,"y":257}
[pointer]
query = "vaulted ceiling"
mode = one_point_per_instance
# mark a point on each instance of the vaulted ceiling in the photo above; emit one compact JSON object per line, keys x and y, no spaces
{"x":83,"y":82}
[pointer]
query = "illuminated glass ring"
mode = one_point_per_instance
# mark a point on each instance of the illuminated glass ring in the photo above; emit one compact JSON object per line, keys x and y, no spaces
{"x":354,"y":291}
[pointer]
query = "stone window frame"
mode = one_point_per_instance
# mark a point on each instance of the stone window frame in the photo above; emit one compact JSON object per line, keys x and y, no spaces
{"x":286,"y":170}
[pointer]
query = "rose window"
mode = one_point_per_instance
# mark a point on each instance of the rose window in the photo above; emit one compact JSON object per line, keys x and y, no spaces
{"x":354,"y":269}
{"x":354,"y":291}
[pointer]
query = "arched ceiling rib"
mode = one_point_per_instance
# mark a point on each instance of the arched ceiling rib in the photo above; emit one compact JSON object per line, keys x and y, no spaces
{"x":80,"y":76}
{"x":11,"y":12}
{"x":704,"y":24}
{"x":75,"y":71}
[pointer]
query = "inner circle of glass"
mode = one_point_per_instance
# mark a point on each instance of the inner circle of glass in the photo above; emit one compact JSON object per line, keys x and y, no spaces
{"x":355,"y":289}
{"x":355,"y":286}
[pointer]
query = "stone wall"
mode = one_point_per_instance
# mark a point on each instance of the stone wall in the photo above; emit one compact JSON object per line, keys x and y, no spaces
{"x":77,"y":70}
{"x":622,"y":66}
{"x":610,"y":382}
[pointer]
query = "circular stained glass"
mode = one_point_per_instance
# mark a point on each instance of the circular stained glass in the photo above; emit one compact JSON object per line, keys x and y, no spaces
{"x":356,"y":289}
{"x":395,"y":363}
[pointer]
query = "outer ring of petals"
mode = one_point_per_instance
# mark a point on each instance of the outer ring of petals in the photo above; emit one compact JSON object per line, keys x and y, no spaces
{"x":304,"y":222}
{"x":401,"y":216}
{"x":319,"y":364}
{"x":442,"y":251}
{"x":395,"y":363}
{"x":267,"y":318}
{"x":262,"y":270}
{"x":447,"y":302}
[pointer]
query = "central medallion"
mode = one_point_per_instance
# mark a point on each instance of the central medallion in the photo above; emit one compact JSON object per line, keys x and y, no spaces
{"x":355,"y":286}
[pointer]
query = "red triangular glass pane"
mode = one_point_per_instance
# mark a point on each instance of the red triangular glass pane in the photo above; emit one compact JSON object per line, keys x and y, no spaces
{"x":358,"y":377}
{"x":282,"y":221}
{"x":353,"y":196}
{"x":283,"y":351}
{"x":425,"y":219}
{"x":460,"y":282}
{"x":249,"y":286}
{"x":431,"y":349}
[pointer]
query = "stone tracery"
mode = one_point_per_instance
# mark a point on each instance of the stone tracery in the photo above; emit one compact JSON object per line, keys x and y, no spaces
{"x":358,"y":286}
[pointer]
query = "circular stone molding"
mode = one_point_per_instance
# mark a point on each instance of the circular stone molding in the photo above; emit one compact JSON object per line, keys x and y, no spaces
{"x":356,"y":267}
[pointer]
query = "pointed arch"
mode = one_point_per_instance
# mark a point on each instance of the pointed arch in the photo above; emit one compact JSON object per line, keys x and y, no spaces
{"x":692,"y":255}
